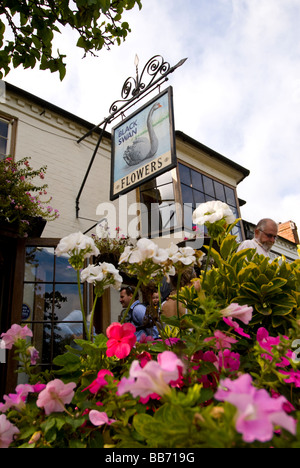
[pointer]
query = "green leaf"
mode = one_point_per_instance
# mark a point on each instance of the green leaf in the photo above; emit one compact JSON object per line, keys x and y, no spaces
{"x":70,"y":363}
{"x":77,"y":444}
{"x":228,"y":246}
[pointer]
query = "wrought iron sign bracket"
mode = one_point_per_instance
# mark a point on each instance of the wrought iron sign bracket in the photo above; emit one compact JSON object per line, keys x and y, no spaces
{"x":154,"y":73}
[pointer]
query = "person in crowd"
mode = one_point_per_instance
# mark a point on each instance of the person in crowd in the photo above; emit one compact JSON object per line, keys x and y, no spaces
{"x":169,"y":306}
{"x":136,"y":313}
{"x":265,"y":235}
{"x":155,"y":299}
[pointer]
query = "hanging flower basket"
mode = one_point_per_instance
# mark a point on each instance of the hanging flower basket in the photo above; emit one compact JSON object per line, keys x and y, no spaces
{"x":22,"y":202}
{"x":35,"y":228}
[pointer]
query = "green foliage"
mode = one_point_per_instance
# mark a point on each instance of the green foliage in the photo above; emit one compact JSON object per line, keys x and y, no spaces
{"x":244,"y":277}
{"x":98,"y":24}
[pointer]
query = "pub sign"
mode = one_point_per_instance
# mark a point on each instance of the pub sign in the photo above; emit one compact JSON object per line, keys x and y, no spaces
{"x":143,"y":145}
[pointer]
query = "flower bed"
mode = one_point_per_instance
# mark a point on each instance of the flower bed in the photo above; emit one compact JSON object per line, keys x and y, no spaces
{"x":224,"y":375}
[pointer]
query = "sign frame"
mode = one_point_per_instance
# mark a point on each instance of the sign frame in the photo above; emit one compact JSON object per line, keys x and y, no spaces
{"x":128,"y":168}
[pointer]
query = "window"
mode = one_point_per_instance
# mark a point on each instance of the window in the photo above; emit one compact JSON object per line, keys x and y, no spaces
{"x":198,"y":188}
{"x":51,"y":306}
{"x":7,"y":136}
{"x":159,"y":210}
{"x":167,"y":205}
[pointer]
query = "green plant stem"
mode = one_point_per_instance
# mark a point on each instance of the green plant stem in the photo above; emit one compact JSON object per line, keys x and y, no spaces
{"x":90,"y":335}
{"x":132,"y":300}
{"x":207,"y":260}
{"x":81,"y":305}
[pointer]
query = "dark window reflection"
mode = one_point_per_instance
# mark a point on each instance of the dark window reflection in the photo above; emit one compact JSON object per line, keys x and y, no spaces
{"x":185,"y":174}
{"x":219,"y":190}
{"x":230,"y":196}
{"x":197,"y":181}
{"x":197,"y":188}
{"x":158,"y":210}
{"x":39,"y":264}
{"x":187,"y":194}
{"x":208,"y":186}
{"x":51,"y":304}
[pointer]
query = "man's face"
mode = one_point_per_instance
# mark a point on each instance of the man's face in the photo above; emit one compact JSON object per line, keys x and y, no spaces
{"x":267,"y":236}
{"x":125,"y":298}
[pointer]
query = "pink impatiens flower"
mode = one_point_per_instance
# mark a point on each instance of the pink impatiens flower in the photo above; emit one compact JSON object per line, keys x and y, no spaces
{"x":154,"y":378}
{"x":99,"y":382}
{"x":7,"y":432}
{"x":257,"y":412}
{"x":15,"y":333}
{"x":55,"y":395}
{"x":121,"y":339}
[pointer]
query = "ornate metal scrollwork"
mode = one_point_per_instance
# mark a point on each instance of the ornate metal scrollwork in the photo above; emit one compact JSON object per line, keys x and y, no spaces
{"x":155,"y":69}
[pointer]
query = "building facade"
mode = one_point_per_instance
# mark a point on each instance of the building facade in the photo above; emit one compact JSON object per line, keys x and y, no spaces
{"x":38,"y":288}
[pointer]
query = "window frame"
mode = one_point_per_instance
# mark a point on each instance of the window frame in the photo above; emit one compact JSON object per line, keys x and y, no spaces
{"x":12,"y":134}
{"x":178,"y":197}
{"x":33,"y":322}
{"x":215,"y":179}
{"x":177,"y":202}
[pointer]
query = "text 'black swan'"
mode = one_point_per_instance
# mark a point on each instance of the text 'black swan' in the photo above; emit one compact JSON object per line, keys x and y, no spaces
{"x":143,"y":148}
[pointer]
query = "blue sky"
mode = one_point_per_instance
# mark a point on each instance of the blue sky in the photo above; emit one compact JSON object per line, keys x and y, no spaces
{"x":238,"y":92}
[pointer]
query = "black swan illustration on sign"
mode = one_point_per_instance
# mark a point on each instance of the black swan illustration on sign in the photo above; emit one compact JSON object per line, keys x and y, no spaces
{"x":143,"y":148}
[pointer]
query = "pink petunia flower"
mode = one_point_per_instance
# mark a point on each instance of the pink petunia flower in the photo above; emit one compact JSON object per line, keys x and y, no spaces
{"x":258,"y":413}
{"x":266,"y":341}
{"x":99,"y":382}
{"x":222,"y":340}
{"x":34,"y":355}
{"x":292,"y":377}
{"x":121,"y":339}
{"x":55,"y":395}
{"x":231,"y":323}
{"x":99,"y":418}
{"x":145,"y":339}
{"x":7,"y":432}
{"x":234,"y":310}
{"x":15,"y":333}
{"x":38,"y":387}
{"x":154,"y":378}
{"x":229,"y":360}
{"x":16,"y":400}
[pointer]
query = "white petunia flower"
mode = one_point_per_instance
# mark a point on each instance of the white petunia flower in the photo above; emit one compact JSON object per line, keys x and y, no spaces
{"x":75,"y":244}
{"x":211,"y":212}
{"x":185,"y":255}
{"x":91,"y":274}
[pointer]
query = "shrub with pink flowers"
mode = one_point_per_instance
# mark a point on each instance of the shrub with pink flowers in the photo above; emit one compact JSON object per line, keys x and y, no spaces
{"x":21,"y":198}
{"x":224,"y":375}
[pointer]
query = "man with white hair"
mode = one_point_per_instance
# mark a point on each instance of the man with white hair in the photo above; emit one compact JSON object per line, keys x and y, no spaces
{"x":265,"y":235}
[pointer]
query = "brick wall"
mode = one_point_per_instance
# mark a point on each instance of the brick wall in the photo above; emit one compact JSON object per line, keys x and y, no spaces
{"x":289,"y":231}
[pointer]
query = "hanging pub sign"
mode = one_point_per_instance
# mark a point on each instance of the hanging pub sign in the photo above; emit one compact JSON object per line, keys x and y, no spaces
{"x":143,"y":145}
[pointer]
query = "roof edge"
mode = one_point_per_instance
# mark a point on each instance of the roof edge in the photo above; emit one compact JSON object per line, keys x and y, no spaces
{"x":213,"y":153}
{"x":55,"y":108}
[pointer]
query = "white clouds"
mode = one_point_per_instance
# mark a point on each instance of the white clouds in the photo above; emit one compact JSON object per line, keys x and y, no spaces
{"x":239,"y":91}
